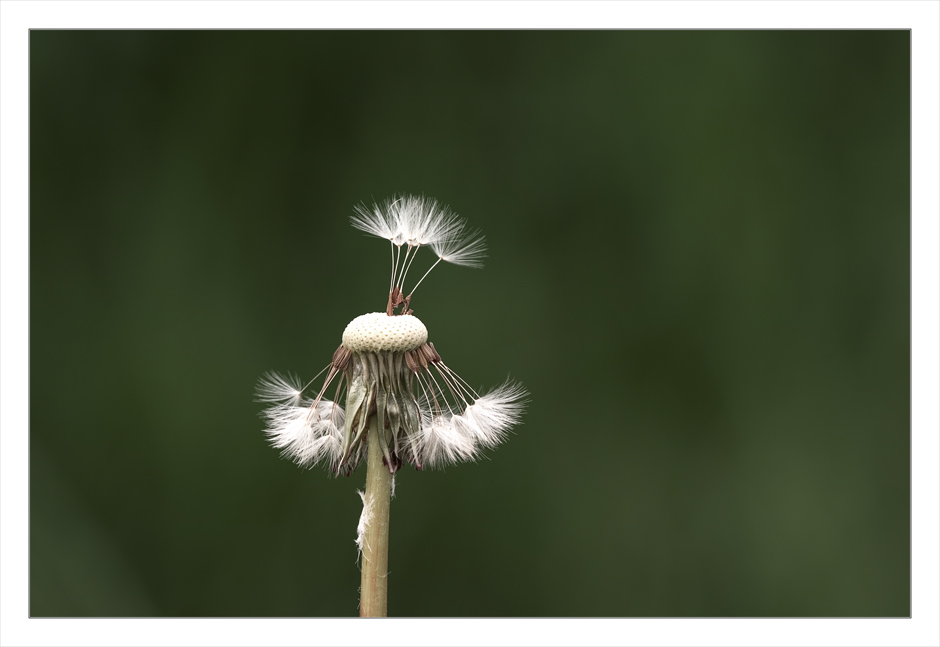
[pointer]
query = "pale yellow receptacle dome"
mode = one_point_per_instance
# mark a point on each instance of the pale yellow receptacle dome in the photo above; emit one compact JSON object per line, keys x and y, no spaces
{"x":377,"y":332}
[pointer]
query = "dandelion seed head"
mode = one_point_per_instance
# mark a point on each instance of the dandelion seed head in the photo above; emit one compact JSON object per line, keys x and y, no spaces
{"x":388,"y":372}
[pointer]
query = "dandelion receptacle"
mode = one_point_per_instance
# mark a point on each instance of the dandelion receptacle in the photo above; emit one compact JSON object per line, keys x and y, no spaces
{"x":400,"y":402}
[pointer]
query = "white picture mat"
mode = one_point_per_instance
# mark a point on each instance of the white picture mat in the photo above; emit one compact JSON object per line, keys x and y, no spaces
{"x":16,"y":18}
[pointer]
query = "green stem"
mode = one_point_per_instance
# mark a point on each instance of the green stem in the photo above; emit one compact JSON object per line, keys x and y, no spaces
{"x":373,"y":602}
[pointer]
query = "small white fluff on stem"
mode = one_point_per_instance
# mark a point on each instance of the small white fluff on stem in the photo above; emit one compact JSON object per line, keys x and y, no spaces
{"x":364,"y":519}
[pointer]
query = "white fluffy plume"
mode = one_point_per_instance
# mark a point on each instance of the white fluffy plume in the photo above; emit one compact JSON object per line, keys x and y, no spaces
{"x":276,"y":388}
{"x":304,"y":433}
{"x":379,"y":221}
{"x":450,"y":438}
{"x":440,"y":442}
{"x":462,"y":247}
{"x":417,"y":220}
{"x":424,"y":221}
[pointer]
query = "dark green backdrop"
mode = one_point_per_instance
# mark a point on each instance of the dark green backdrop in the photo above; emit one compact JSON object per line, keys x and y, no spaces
{"x":699,"y":267}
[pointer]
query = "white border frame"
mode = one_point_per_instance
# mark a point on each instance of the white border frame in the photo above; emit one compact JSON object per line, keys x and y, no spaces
{"x":16,"y":18}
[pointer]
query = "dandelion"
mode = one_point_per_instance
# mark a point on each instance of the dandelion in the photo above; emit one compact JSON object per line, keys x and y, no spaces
{"x":403,"y":404}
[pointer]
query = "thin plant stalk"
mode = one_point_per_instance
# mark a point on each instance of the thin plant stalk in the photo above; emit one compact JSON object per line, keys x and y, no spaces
{"x":373,"y":602}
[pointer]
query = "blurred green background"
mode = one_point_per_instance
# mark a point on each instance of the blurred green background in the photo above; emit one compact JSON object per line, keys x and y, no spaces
{"x":699,"y":267}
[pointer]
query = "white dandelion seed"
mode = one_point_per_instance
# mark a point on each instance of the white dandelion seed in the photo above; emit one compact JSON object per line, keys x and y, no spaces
{"x":491,"y":416}
{"x":276,"y":388}
{"x":463,"y":247}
